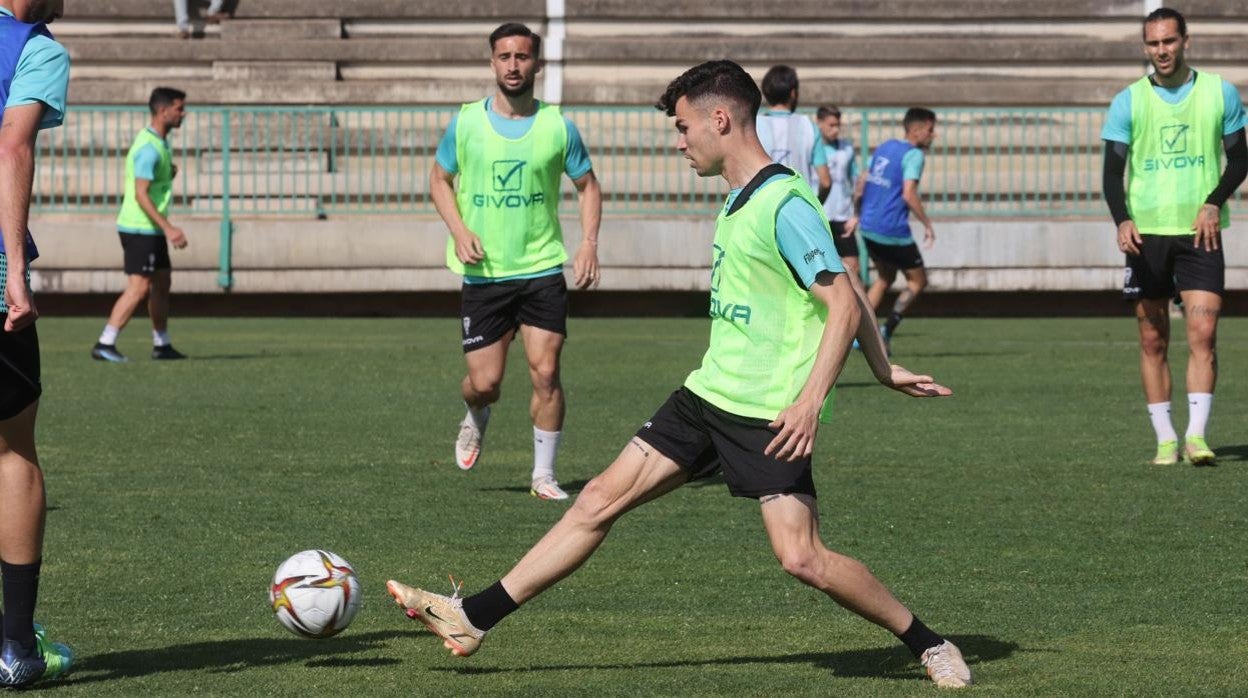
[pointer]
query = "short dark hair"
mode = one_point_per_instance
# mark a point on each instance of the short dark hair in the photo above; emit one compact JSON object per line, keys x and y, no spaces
{"x":827,"y":110}
{"x":779,"y":83}
{"x":516,"y":29}
{"x":918,"y":115}
{"x":163,"y":97}
{"x":723,"y":79}
{"x":1161,"y":14}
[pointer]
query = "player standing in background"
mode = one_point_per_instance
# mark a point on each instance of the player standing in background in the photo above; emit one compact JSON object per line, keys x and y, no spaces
{"x":35,"y":71}
{"x":890,"y":193}
{"x":1167,"y":131}
{"x":843,"y":168}
{"x":752,"y":408}
{"x":145,"y":231}
{"x":510,"y":152}
{"x":790,"y":138}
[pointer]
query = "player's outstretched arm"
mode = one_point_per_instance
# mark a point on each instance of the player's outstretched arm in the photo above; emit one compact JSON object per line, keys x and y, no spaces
{"x":891,"y":375}
{"x":18,"y":132}
{"x":585,"y":269}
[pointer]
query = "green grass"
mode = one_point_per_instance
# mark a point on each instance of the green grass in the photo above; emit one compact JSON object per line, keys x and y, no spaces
{"x":1017,"y":517}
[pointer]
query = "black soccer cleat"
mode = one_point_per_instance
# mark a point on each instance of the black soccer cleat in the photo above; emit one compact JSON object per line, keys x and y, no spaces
{"x":107,"y":352}
{"x":167,"y":353}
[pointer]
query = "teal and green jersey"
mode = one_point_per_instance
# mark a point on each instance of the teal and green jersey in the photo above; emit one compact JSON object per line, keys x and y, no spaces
{"x":508,"y":190}
{"x":149,"y":159}
{"x":765,"y":325}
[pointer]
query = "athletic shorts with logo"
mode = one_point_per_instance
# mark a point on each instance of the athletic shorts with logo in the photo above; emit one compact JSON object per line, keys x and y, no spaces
{"x":846,"y":245}
{"x":895,"y":256}
{"x":703,"y":440}
{"x":494,"y":310}
{"x":1170,"y":263}
{"x":145,"y":254}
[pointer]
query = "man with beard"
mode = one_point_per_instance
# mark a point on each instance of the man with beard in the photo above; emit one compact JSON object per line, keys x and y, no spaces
{"x":146,"y":232}
{"x":509,"y":152}
{"x":1168,"y":131}
{"x":34,"y":78}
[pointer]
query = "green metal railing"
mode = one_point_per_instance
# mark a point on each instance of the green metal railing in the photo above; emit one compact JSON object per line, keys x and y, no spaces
{"x":341,"y":161}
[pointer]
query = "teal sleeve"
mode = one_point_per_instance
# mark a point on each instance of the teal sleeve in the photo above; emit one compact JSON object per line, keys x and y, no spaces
{"x":852,"y":170}
{"x":576,"y":162}
{"x":1232,"y":110}
{"x":1117,"y":126}
{"x":448,"y":156}
{"x":804,"y":241}
{"x":42,"y":75}
{"x":820,"y":154}
{"x":145,"y":162}
{"x":912,"y":164}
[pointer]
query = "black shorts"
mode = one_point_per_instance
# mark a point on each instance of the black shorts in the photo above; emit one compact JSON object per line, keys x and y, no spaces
{"x":491,"y":311}
{"x":145,"y":254}
{"x":845,"y":246}
{"x":895,"y":256}
{"x":19,"y":370}
{"x":703,"y":439}
{"x":1169,"y":263}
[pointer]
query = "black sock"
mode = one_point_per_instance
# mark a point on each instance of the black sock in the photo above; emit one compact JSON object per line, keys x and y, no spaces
{"x":894,"y":319}
{"x":486,"y":609}
{"x":920,"y":638}
{"x":21,"y":589}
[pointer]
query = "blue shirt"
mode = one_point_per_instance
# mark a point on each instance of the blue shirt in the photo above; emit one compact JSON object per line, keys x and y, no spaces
{"x":576,"y":163}
{"x":42,"y":75}
{"x":1117,"y":126}
{"x":801,"y":231}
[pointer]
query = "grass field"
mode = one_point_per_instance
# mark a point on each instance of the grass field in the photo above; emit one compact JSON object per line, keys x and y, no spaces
{"x":1017,"y":517}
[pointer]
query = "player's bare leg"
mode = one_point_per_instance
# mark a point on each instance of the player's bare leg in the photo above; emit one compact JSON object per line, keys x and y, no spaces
{"x":1201,"y":319}
{"x":792,"y":523}
{"x":158,"y":299}
{"x":21,"y":490}
{"x":542,"y":348}
{"x":884,"y":277}
{"x":1153,"y":319}
{"x":916,"y":281}
{"x":138,"y":286}
{"x":481,"y":387}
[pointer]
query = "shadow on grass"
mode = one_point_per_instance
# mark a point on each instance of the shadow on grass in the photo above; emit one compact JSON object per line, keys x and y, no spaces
{"x":881,"y":662}
{"x":228,"y":656}
{"x":232,"y":357}
{"x":1232,"y":453}
{"x":571,"y":487}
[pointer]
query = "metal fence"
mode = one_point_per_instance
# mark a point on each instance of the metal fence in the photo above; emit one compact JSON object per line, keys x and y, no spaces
{"x":339,"y":161}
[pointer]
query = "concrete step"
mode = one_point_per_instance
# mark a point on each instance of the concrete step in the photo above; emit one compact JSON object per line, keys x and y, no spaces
{"x":503,"y":10}
{"x":266,"y":30}
{"x":858,"y":10}
{"x":273,"y":71}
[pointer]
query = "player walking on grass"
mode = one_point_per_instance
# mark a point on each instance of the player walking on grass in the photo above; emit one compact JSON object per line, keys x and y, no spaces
{"x":509,"y":152}
{"x":890,"y":193}
{"x":782,"y":317}
{"x":35,"y":72}
{"x":146,"y":232}
{"x":1167,"y":131}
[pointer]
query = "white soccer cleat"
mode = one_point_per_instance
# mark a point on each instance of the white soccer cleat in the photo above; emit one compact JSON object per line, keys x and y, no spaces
{"x":468,"y":443}
{"x":946,"y":667}
{"x":443,"y":615}
{"x":547,"y":488}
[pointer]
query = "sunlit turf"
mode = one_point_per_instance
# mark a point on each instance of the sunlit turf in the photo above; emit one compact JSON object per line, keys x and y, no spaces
{"x":1017,"y":517}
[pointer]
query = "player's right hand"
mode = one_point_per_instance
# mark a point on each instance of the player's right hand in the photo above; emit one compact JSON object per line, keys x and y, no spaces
{"x":468,"y":248}
{"x":176,"y":236}
{"x":22,"y":312}
{"x":903,"y":381}
{"x":1129,"y":239}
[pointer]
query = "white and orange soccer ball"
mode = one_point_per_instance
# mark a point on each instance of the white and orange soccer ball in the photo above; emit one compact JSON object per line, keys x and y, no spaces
{"x":315,"y":594}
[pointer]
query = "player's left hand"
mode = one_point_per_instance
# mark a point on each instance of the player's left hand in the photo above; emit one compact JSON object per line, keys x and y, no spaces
{"x":903,"y":381}
{"x":22,"y":312}
{"x":929,"y":237}
{"x":850,"y":226}
{"x":798,"y":424}
{"x":585,"y":270}
{"x":1208,"y":227}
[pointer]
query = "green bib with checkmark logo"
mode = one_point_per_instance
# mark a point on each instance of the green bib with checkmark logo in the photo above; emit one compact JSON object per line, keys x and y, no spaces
{"x":131,"y":218}
{"x":1176,"y":156}
{"x":509,"y":193}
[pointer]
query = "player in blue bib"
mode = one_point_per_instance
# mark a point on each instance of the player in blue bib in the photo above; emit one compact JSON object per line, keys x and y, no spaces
{"x":890,"y":193}
{"x":34,"y":78}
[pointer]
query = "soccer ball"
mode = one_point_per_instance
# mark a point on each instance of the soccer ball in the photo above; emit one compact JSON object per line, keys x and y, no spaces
{"x":315,"y":594}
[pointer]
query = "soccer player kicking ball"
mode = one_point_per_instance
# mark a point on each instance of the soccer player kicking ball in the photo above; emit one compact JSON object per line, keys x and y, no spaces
{"x":751,"y":409}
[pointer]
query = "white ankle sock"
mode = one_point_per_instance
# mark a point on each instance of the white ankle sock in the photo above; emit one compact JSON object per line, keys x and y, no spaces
{"x":109,"y":335}
{"x":1159,"y":412}
{"x":1199,"y":404}
{"x":545,"y":445}
{"x":160,"y":338}
{"x":479,"y":416}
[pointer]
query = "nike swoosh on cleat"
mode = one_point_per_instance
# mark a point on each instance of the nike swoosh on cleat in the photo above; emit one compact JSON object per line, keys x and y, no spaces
{"x":429,"y":612}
